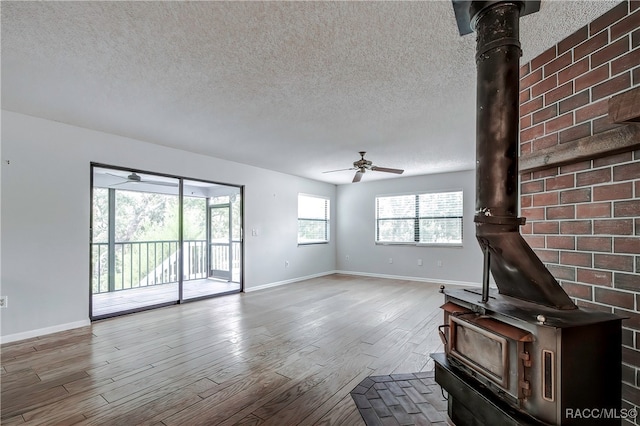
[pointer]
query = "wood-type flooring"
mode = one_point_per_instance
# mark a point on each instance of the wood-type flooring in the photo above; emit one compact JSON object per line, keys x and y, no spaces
{"x":289,"y":355}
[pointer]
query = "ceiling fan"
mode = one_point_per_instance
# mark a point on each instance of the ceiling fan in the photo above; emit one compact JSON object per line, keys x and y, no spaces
{"x":363,"y":165}
{"x":136,"y":178}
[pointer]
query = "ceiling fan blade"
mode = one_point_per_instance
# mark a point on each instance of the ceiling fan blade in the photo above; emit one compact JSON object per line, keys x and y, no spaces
{"x":357,"y":177}
{"x":118,"y":176}
{"x":153,"y":182}
{"x":340,"y":170}
{"x":387,"y":170}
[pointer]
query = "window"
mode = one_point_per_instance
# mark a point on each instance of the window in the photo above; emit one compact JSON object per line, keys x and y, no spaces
{"x":313,"y":219}
{"x":430,"y":218}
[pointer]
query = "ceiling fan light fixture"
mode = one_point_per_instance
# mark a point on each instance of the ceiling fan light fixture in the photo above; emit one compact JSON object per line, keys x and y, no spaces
{"x":362,"y":165}
{"x":134,"y":177}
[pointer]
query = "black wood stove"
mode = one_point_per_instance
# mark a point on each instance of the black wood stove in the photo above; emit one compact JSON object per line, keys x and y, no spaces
{"x":523,"y":353}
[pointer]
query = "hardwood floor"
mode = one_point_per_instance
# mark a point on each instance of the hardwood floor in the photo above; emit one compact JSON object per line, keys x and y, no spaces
{"x":289,"y":355}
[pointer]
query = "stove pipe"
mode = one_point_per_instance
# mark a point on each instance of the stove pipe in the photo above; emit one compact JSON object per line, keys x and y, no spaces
{"x":516,"y":269}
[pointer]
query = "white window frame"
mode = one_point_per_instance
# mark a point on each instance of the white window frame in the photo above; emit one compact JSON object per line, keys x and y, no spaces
{"x":415,"y":217}
{"x":321,"y":216}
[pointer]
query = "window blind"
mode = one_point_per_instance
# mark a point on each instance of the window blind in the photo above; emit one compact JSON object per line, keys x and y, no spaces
{"x":427,"y":218}
{"x":313,"y":219}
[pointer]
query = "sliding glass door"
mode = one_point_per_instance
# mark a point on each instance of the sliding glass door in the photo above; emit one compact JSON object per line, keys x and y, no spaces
{"x":212,"y":216}
{"x":153,"y":240}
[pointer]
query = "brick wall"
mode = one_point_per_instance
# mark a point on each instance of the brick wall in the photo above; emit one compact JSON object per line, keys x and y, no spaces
{"x":583,"y":219}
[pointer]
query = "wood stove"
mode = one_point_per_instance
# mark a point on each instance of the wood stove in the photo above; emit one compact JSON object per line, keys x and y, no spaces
{"x":509,"y":361}
{"x":523,"y":353}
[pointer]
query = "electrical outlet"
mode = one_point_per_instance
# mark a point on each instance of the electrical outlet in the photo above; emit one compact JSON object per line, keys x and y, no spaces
{"x":440,"y":263}
{"x":254,"y":232}
{"x":286,"y":263}
{"x":347,"y":257}
{"x":391,"y":260}
{"x":419,"y":262}
{"x":4,"y":301}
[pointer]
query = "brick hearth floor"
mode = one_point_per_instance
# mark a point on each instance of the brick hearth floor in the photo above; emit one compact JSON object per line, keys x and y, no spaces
{"x":401,"y":399}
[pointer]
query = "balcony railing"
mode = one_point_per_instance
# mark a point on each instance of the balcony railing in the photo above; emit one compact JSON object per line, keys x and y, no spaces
{"x":147,"y":263}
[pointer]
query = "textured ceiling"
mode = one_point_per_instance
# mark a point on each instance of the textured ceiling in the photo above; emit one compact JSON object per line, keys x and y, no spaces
{"x":296,"y":87}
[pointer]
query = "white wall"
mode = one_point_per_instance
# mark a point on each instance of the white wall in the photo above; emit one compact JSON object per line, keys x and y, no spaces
{"x":44,"y":230}
{"x":45,"y":218}
{"x":356,"y":230}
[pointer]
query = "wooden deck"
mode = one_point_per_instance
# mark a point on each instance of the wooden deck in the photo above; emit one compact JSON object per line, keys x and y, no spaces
{"x":288,"y":355}
{"x":124,"y":300}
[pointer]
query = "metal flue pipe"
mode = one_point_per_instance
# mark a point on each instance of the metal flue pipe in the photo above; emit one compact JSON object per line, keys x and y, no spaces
{"x":516,"y":269}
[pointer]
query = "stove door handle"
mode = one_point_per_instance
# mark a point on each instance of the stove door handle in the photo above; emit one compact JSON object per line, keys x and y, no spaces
{"x":443,"y":336}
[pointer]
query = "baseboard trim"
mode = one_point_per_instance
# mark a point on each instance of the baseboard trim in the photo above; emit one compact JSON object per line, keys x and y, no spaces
{"x":293,"y":280}
{"x":9,"y":338}
{"x":406,"y":278}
